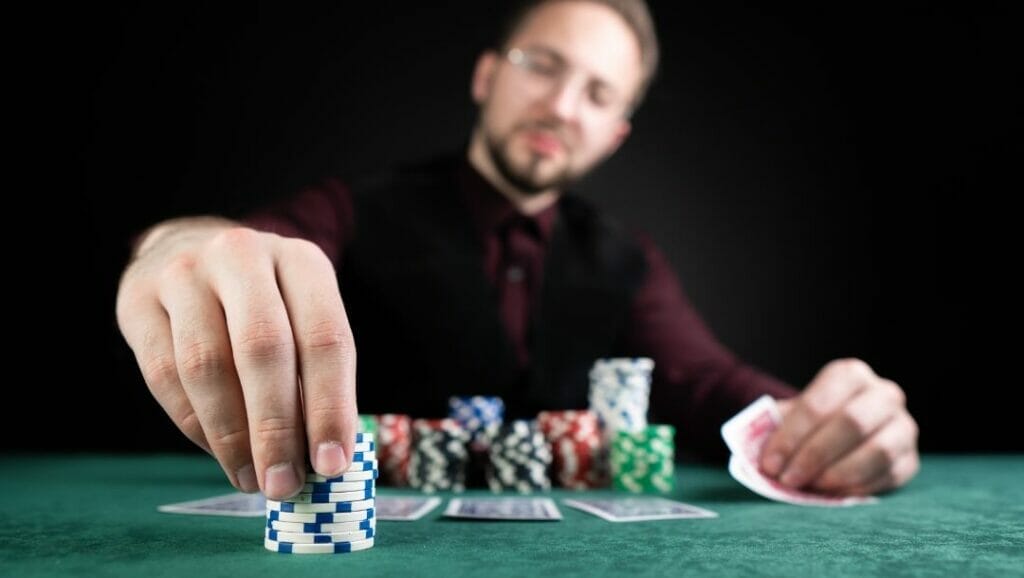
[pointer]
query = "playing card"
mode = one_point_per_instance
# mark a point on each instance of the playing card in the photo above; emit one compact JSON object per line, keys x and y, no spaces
{"x":503,"y":509}
{"x":404,"y":508}
{"x":745,"y":434}
{"x":638,"y":509}
{"x":236,"y":504}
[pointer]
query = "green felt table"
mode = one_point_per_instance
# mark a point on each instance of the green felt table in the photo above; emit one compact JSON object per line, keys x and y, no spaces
{"x":96,"y":516}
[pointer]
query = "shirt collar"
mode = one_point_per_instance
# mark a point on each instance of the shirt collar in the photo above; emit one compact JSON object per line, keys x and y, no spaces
{"x":490,"y":210}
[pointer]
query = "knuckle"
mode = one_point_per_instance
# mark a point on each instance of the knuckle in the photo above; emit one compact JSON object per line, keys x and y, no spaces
{"x":329,"y":336}
{"x":237,"y":239}
{"x":160,"y":370}
{"x":201,"y":360}
{"x":811,"y":458}
{"x":854,"y":422}
{"x":850,"y":365}
{"x":265,"y":340}
{"x":228,"y":437}
{"x":895,"y":391}
{"x":275,"y":431}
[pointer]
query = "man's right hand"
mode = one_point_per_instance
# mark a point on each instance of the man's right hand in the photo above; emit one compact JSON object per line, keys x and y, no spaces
{"x":227,"y":325}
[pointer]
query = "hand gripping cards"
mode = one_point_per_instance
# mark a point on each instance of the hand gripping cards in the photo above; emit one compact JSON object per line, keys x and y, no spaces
{"x":330,"y":515}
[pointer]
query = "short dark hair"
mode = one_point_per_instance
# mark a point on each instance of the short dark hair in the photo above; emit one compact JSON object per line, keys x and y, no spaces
{"x":636,"y":14}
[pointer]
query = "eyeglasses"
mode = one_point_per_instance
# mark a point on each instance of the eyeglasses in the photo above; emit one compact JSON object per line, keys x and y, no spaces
{"x":547,"y":69}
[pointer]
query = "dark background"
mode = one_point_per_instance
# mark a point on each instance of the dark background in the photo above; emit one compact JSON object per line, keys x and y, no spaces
{"x":815,"y":176}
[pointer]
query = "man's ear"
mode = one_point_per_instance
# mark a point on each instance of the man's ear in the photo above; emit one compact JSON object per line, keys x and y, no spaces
{"x":483,"y":75}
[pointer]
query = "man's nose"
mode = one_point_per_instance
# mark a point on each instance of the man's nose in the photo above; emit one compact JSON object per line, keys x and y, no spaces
{"x":565,"y":99}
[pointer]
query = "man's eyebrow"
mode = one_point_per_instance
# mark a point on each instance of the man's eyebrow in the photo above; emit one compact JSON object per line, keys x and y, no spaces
{"x":555,"y":54}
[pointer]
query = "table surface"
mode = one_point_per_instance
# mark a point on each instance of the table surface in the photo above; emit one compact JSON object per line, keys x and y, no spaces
{"x":96,"y":516}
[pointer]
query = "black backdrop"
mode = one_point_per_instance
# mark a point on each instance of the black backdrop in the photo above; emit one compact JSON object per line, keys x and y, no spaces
{"x":804,"y":170}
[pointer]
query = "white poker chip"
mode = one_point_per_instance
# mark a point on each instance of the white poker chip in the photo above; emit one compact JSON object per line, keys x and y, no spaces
{"x":313,"y":478}
{"x":362,"y":437}
{"x":369,"y":524}
{"x":320,"y":518}
{"x":368,"y":456}
{"x":304,"y":538}
{"x":330,"y":487}
{"x":353,"y":468}
{"x":331,"y":497}
{"x":320,"y":507}
{"x":335,"y":548}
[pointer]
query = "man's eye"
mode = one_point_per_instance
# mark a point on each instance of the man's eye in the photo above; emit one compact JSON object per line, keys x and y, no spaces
{"x":544,"y":66}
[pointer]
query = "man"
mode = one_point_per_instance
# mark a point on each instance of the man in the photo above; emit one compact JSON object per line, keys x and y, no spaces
{"x":478,"y":275}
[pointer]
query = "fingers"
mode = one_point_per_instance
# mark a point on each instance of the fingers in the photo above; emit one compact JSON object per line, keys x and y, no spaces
{"x":202,"y":353}
{"x":264,"y":356}
{"x":326,"y":353}
{"x":147,"y":331}
{"x":834,"y":385}
{"x":842,"y":431}
{"x":885,"y":460}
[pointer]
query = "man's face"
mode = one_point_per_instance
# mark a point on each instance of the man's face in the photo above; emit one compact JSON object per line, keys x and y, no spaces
{"x":556,"y":103}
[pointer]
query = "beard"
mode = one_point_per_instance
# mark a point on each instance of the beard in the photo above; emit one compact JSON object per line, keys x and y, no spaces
{"x":529,"y":178}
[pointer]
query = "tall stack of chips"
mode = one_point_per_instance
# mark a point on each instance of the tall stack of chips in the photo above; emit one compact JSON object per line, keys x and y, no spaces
{"x":394,"y":448}
{"x":575,"y":440}
{"x":620,"y":390}
{"x":520,"y":457}
{"x":644,"y":461}
{"x":331,"y":515}
{"x":439,"y":455}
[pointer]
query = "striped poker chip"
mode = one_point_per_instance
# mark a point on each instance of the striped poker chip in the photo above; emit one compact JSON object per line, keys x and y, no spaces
{"x":479,"y":416}
{"x":364,"y":457}
{"x":335,"y":548}
{"x":332,"y":497}
{"x":575,"y":439}
{"x":320,"y":518}
{"x":644,"y":461}
{"x":323,"y":528}
{"x":394,"y":447}
{"x":519,"y":459}
{"x":360,"y":476}
{"x":353,"y":468}
{"x":313,"y":538}
{"x":333,"y":487}
{"x":620,"y":391}
{"x":439,"y":456}
{"x":367,"y":424}
{"x":318,"y":508}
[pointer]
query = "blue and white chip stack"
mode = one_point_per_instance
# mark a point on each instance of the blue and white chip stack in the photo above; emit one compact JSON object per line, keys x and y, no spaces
{"x":331,"y":515}
{"x":480,"y":416}
{"x":620,"y":389}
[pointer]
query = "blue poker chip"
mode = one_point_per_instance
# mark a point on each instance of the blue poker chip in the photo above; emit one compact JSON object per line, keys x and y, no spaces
{"x":364,"y":437}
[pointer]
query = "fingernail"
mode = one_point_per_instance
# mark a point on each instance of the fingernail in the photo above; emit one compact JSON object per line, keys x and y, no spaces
{"x":772,"y":464}
{"x":281,"y":481}
{"x":330,"y":459}
{"x":793,"y":478}
{"x":246,"y":476}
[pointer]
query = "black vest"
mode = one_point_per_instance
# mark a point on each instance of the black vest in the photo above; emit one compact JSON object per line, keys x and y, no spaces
{"x":425,"y":317}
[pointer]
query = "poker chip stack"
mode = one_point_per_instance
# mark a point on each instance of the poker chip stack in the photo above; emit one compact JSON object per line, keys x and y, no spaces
{"x":520,"y":457}
{"x":575,"y":440}
{"x":331,"y":515}
{"x":644,"y":461}
{"x":620,"y":390}
{"x":481,"y":417}
{"x":439,"y":455}
{"x":394,"y":448}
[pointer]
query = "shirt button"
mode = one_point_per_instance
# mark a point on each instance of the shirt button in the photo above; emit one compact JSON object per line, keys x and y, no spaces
{"x":514,"y":274}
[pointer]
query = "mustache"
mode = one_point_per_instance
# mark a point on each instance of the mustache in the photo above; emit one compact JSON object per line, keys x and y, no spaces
{"x":556,"y":128}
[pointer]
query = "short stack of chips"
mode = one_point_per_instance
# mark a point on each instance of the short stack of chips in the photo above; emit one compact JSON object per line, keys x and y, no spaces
{"x":520,"y":457}
{"x":394,"y":448}
{"x":439,"y":455}
{"x":331,"y":515}
{"x":368,"y":424}
{"x":480,"y":416}
{"x":575,"y":439}
{"x":644,"y":461}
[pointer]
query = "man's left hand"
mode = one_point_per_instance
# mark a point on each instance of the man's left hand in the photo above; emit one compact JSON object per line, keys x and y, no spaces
{"x":847,"y":433}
